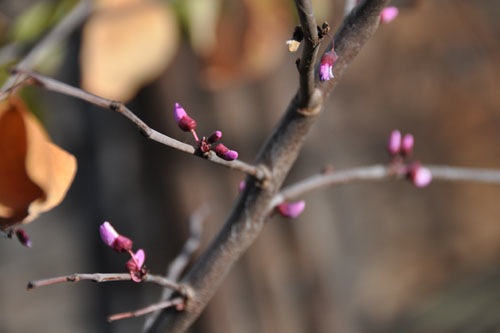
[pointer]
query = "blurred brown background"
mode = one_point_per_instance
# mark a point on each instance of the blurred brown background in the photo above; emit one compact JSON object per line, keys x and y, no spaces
{"x":362,"y":258}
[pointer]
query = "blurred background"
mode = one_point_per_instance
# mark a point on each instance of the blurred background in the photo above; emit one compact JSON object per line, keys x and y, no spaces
{"x":361,"y":258}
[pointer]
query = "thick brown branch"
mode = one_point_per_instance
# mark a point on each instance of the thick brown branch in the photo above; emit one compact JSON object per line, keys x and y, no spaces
{"x":278,"y":154}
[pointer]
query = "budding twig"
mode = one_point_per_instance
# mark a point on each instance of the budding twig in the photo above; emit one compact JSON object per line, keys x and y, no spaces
{"x":178,"y":303}
{"x":381,"y":173}
{"x":258,"y":172}
{"x":108,"y":277}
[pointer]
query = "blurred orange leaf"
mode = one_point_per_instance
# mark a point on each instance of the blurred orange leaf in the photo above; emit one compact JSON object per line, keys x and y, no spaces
{"x":126,"y":44}
{"x":250,"y":42}
{"x":35,"y":174}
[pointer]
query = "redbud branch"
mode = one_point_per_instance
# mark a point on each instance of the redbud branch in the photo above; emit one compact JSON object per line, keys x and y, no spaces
{"x":278,"y":154}
{"x":349,"y":6}
{"x":47,"y":83}
{"x":382,"y":173}
{"x":176,"y":302}
{"x":107,"y":277}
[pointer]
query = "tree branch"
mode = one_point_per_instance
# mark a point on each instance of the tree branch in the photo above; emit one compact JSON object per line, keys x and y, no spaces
{"x":278,"y":154}
{"x":381,"y":173}
{"x":47,"y":83}
{"x":107,"y":277}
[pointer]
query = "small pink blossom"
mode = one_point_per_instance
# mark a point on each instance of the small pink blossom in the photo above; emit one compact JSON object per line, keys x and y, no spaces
{"x":388,"y":14}
{"x":394,"y":144}
{"x":214,"y":137}
{"x":407,"y":145}
{"x":291,"y":209}
{"x":420,"y":176}
{"x":183,"y":120}
{"x":225,"y":153}
{"x":326,"y":65}
{"x":135,"y":265}
{"x":113,"y":239}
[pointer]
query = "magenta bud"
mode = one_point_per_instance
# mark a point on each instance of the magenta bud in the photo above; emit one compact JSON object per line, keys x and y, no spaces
{"x":388,"y":14}
{"x":23,"y":237}
{"x":394,"y":144}
{"x":122,"y":244}
{"x":185,"y":122}
{"x":326,"y":65}
{"x":214,"y":137}
{"x":420,"y":176}
{"x":242,"y":185}
{"x":291,"y":209}
{"x":113,"y":239}
{"x":135,"y":265}
{"x":108,"y":233}
{"x":225,"y":153}
{"x":407,"y":145}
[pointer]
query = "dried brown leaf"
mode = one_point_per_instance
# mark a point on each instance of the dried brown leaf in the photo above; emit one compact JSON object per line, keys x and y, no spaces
{"x":35,"y":174}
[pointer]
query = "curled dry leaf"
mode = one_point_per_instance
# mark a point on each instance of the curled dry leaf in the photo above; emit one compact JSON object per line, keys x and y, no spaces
{"x":126,"y":44}
{"x":35,"y":174}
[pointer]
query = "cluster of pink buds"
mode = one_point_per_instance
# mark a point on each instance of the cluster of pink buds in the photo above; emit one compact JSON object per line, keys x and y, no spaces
{"x":206,"y":144}
{"x":121,"y":244}
{"x":400,"y":148}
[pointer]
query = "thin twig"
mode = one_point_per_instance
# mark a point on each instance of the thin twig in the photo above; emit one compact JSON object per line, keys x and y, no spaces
{"x":60,"y":32}
{"x":382,"y":173}
{"x":177,"y":302}
{"x":107,"y":277}
{"x":51,"y":84}
{"x":178,"y":265}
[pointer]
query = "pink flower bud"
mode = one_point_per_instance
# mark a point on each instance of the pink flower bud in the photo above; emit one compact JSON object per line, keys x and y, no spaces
{"x":108,"y":233}
{"x":225,"y":153}
{"x":291,"y":209}
{"x":135,"y":265}
{"x":407,"y":145}
{"x":23,"y":237}
{"x":113,"y":239}
{"x":394,"y":144}
{"x":420,"y":176}
{"x":388,"y":14}
{"x":214,"y":137}
{"x":326,"y":65}
{"x":122,"y":244}
{"x":185,"y":122}
{"x":242,"y":185}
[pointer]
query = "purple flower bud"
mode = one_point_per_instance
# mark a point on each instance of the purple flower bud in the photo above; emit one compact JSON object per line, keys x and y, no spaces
{"x":108,"y":233}
{"x":135,"y":265}
{"x":407,"y":145}
{"x":326,"y":65}
{"x":214,"y":137}
{"x":113,"y":239}
{"x":122,"y":244}
{"x":23,"y":237}
{"x":291,"y":209}
{"x":242,"y":185}
{"x":225,"y":153}
{"x":420,"y":176}
{"x":185,"y":122}
{"x":394,"y":144}
{"x":388,"y":14}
